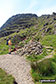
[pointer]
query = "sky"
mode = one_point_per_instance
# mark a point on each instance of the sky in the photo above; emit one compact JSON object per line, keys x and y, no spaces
{"x":9,"y":8}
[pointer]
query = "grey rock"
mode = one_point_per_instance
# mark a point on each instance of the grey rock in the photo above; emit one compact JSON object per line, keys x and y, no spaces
{"x":31,"y":48}
{"x":47,"y":30}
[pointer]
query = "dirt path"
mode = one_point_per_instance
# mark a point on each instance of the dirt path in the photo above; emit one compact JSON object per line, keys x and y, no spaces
{"x":18,"y":67}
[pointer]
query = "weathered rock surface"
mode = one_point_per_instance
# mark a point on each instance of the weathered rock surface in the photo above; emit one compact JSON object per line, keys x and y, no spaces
{"x":16,"y":23}
{"x":31,"y":48}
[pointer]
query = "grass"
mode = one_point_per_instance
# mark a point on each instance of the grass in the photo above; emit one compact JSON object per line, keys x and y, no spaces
{"x":34,"y":57}
{"x":47,"y":68}
{"x":3,"y":47}
{"x":41,"y":70}
{"x":21,"y":44}
{"x":28,"y":39}
{"x":44,"y":70}
{"x":5,"y":78}
{"x":49,"y":40}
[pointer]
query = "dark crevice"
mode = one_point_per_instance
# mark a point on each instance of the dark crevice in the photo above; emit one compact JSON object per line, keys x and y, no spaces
{"x":15,"y":82}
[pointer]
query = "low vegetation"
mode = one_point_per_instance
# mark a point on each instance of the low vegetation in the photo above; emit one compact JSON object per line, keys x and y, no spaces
{"x":49,"y":40}
{"x":44,"y":70}
{"x":5,"y":78}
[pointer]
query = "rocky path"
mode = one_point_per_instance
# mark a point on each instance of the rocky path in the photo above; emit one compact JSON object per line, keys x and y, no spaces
{"x":18,"y":67}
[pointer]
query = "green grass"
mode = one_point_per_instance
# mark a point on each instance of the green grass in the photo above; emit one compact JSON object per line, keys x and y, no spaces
{"x":4,"y":49}
{"x":49,"y":40}
{"x":34,"y":57}
{"x":5,"y":78}
{"x":47,"y":68}
{"x":28,"y":39}
{"x":44,"y":70}
{"x":21,"y":44}
{"x":40,"y":70}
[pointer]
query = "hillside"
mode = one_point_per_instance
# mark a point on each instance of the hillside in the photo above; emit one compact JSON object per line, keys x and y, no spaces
{"x":36,"y":38}
{"x":17,"y":22}
{"x":43,"y":25}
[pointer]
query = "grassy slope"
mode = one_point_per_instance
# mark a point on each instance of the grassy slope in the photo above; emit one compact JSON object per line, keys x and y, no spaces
{"x":37,"y":70}
{"x":49,"y":40}
{"x":3,"y":47}
{"x":44,"y":70}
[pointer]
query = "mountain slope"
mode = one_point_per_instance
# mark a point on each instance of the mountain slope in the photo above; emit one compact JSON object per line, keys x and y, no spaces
{"x":40,"y":26}
{"x":16,"y":23}
{"x":34,"y":29}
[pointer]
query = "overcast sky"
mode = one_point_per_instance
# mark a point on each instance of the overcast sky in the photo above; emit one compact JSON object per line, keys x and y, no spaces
{"x":9,"y":8}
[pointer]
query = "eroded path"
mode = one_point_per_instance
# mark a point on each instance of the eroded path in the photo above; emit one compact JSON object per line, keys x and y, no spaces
{"x":18,"y":67}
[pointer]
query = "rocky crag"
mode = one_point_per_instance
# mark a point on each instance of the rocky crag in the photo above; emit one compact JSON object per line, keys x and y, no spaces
{"x":16,"y":23}
{"x":29,"y":25}
{"x":31,"y":48}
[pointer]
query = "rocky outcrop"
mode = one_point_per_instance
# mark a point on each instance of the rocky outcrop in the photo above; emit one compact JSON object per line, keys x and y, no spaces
{"x":54,"y":18}
{"x":31,"y":48}
{"x":30,"y":23}
{"x":48,"y":29}
{"x":54,"y":13}
{"x":46,"y":24}
{"x":17,"y":22}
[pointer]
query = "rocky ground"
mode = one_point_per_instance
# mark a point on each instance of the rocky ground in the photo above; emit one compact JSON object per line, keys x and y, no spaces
{"x":30,"y":48}
{"x":18,"y":67}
